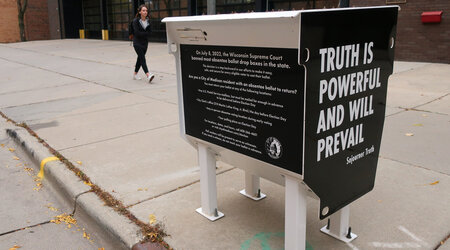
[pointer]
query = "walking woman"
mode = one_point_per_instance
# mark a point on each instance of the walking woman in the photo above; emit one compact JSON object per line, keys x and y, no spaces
{"x":141,"y":32}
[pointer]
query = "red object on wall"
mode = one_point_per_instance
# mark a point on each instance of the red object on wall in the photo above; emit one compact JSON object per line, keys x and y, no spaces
{"x":431,"y":17}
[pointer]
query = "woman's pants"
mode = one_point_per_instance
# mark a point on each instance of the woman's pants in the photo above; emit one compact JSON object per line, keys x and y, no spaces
{"x":140,"y":51}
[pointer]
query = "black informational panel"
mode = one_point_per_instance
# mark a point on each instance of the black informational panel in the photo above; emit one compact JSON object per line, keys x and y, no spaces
{"x":350,"y":60}
{"x":246,"y":99}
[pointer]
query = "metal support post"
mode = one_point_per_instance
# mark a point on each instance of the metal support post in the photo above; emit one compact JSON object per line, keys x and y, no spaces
{"x":252,"y":189}
{"x":211,"y":7}
{"x":295,"y":215}
{"x":208,"y":187}
{"x":104,"y":19}
{"x":339,"y":225}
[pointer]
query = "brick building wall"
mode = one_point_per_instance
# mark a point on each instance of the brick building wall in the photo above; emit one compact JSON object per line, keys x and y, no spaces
{"x":36,"y":21}
{"x":9,"y":24}
{"x":417,"y":41}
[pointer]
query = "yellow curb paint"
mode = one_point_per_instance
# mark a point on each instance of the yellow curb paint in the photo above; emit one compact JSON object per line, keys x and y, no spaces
{"x":43,"y":162}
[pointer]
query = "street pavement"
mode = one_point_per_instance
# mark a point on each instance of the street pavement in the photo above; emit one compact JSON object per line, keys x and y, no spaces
{"x":32,"y":215}
{"x":79,"y":96}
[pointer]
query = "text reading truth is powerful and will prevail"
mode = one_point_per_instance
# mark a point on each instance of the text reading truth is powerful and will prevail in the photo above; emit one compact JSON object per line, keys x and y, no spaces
{"x":341,"y":86}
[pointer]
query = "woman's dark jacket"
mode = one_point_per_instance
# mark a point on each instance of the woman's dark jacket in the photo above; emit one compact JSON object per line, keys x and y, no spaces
{"x":140,"y":36}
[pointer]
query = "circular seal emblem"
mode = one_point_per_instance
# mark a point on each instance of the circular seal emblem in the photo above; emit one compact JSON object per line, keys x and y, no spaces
{"x":273,"y":148}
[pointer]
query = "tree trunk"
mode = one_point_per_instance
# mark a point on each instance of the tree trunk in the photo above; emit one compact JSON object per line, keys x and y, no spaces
{"x":21,"y":9}
{"x":22,"y":28}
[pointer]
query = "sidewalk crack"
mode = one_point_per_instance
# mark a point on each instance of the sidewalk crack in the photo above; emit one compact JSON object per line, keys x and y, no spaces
{"x":76,"y":201}
{"x":175,"y":189}
{"x":89,"y":81}
{"x":78,"y":59}
{"x":67,"y":75}
{"x":117,"y":137}
{"x":415,"y":108}
{"x":49,"y":221}
{"x":412,"y":165}
{"x":23,"y":228}
{"x":436,"y":99}
{"x":442,"y":242}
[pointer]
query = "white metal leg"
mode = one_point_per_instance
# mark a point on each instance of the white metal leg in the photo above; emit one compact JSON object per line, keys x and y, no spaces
{"x":295,"y":215}
{"x":339,"y":225}
{"x":208,"y":187}
{"x":252,"y":189}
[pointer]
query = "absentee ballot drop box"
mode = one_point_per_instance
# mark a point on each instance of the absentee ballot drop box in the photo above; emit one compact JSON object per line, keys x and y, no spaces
{"x":294,"y":97}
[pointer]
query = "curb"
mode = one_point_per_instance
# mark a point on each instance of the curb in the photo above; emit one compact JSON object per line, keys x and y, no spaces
{"x":73,"y":190}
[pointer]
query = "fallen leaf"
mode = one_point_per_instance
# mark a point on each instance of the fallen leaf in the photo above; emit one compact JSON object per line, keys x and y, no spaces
{"x":11,"y":149}
{"x":38,"y":186}
{"x":51,"y":208}
{"x":418,"y":125}
{"x":2,"y":145}
{"x":16,"y":158}
{"x":88,"y":183}
{"x":153,"y":236}
{"x":86,"y":235}
{"x":424,"y":115}
{"x":101,"y":248}
{"x":152,"y":218}
{"x":434,"y":183}
{"x":66,"y":218}
{"x":140,"y":189}
{"x":28,"y":169}
{"x":15,"y":247}
{"x":79,"y":163}
{"x":409,"y":134}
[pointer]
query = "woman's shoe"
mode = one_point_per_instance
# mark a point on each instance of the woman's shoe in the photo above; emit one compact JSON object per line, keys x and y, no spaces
{"x":150,"y":77}
{"x":136,"y":77}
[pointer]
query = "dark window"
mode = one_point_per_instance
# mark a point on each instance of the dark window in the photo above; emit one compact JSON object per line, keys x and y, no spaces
{"x":92,"y":19}
{"x":120,"y":14}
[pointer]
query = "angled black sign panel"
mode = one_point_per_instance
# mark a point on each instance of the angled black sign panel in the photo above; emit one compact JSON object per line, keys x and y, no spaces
{"x":348,"y":57}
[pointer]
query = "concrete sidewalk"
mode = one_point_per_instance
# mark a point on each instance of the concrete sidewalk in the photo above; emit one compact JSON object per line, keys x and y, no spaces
{"x":79,"y":96}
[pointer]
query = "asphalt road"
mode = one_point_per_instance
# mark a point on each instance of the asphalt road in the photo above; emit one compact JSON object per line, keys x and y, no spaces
{"x":29,"y":208}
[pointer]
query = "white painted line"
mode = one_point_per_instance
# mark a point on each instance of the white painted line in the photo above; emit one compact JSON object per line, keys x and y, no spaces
{"x":396,"y":245}
{"x":353,"y":247}
{"x":414,"y":237}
